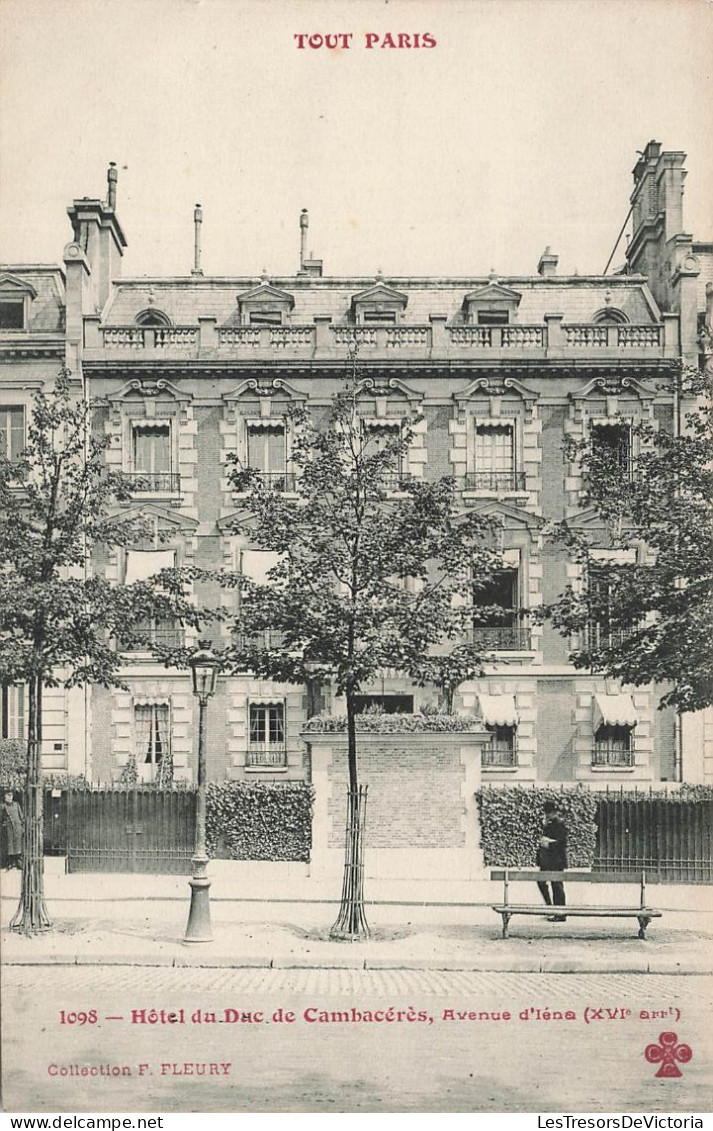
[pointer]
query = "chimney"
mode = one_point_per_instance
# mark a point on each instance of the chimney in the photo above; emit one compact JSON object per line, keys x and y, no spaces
{"x":308,"y":266}
{"x":547,"y":267}
{"x":111,"y":179}
{"x":304,"y":225}
{"x":99,"y":236}
{"x":197,"y":222}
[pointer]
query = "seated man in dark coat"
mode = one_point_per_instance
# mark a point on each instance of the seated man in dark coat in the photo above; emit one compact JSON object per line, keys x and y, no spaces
{"x":552,"y":857}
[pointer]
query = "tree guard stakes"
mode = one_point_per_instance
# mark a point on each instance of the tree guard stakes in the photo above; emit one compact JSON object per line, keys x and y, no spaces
{"x":351,"y":922}
{"x":205,"y":666}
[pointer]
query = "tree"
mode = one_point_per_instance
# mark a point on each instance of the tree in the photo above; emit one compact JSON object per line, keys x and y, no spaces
{"x":647,"y":616}
{"x":374,"y":570}
{"x":59,"y":621}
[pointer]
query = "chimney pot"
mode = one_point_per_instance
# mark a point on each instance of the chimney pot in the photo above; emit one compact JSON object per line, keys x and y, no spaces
{"x":111,"y":178}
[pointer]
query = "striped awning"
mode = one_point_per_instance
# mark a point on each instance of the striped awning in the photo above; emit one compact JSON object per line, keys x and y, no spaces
{"x":614,"y":711}
{"x":498,"y":710}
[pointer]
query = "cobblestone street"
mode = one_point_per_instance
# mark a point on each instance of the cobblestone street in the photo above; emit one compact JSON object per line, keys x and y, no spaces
{"x":318,"y":1063}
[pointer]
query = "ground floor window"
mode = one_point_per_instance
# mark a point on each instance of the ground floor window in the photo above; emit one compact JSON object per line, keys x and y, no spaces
{"x":500,"y":750}
{"x":266,"y":735}
{"x":13,"y":711}
{"x":152,"y":731}
{"x":612,"y":746}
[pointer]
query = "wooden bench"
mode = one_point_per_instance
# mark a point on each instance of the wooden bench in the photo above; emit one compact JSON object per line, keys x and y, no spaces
{"x":507,"y":909}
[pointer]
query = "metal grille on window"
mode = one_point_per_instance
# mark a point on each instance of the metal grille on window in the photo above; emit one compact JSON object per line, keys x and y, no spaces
{"x":267,"y":453}
{"x":266,"y":741}
{"x":612,"y":746}
{"x":500,"y":750}
{"x":494,"y":458}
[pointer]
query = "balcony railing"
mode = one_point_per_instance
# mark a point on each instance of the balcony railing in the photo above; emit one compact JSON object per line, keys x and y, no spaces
{"x":495,"y":481}
{"x":277,"y":480}
{"x":269,"y":639}
{"x":494,"y":756}
{"x":540,"y":339}
{"x":160,"y":636}
{"x":154,"y":482}
{"x":502,"y":638}
{"x":610,"y":756}
{"x":266,"y":754}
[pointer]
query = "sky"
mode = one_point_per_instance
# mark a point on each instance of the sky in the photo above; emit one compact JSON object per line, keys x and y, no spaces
{"x":518,"y":130}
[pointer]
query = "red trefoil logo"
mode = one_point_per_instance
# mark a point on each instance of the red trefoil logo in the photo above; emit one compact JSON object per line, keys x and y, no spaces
{"x":667,"y":1053}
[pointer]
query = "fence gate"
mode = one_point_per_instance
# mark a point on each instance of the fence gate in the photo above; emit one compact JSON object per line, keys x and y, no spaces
{"x":660,"y":834}
{"x":130,"y":830}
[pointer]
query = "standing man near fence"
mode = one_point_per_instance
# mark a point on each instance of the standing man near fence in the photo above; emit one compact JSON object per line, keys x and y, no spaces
{"x":552,"y":857}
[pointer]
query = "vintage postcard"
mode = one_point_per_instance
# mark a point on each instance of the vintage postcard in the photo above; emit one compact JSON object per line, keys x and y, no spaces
{"x":355,"y":510}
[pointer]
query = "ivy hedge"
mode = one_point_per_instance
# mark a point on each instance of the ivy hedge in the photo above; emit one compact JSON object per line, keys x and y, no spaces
{"x":375,"y":722}
{"x":259,"y":820}
{"x":511,"y":824}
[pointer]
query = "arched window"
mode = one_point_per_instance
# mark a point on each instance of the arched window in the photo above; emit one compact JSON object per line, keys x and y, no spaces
{"x":152,"y":317}
{"x":611,"y":315}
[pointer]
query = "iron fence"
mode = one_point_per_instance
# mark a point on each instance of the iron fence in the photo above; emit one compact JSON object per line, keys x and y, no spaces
{"x":663,"y":834}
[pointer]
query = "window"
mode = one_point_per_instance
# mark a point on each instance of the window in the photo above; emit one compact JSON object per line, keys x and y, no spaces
{"x":493,"y":317}
{"x":494,"y":452}
{"x":12,"y":313}
{"x":265,"y":317}
{"x":602,"y":631}
{"x":389,"y":704}
{"x":380,"y":435}
{"x":152,"y":458}
{"x":379,"y":317}
{"x":157,"y":632}
{"x":12,"y":431}
{"x":152,"y":732}
{"x":13,"y":711}
{"x":495,"y":616}
{"x":500,"y":750}
{"x":152,"y":318}
{"x":613,"y":746}
{"x":611,"y":448}
{"x":266,"y":735}
{"x":267,"y":453}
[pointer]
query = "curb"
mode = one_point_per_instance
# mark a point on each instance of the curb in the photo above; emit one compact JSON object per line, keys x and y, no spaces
{"x":250,"y":962}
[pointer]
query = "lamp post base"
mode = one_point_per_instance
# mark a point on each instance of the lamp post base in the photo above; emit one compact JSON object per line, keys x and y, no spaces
{"x":199,"y":928}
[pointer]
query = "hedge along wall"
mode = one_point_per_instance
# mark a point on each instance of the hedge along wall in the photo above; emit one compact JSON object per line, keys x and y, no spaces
{"x":259,"y":820}
{"x":511,"y":824}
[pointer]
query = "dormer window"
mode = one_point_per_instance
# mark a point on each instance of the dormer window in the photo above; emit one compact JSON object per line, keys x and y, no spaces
{"x":265,"y":305}
{"x":379,"y":305}
{"x":266,"y":317}
{"x":12,"y":313}
{"x":493,"y":317}
{"x":610,"y":315}
{"x":152,"y":318}
{"x":492,"y":305}
{"x":15,"y":297}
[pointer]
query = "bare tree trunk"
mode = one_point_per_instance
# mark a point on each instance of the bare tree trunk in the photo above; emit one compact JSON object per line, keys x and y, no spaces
{"x":31,"y":916}
{"x":351,"y":922}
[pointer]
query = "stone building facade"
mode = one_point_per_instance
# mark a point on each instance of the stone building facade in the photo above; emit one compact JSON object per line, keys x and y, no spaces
{"x":187,"y":370}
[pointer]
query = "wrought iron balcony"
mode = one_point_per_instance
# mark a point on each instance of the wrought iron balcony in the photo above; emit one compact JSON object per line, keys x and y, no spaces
{"x":267,"y":754}
{"x":154,"y":482}
{"x":492,"y":757}
{"x":283,"y":481}
{"x":502,"y":638}
{"x":495,"y":481}
{"x":610,"y":756}
{"x":149,"y":637}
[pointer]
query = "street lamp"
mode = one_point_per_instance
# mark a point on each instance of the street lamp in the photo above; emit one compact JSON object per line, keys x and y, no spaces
{"x":204,"y":671}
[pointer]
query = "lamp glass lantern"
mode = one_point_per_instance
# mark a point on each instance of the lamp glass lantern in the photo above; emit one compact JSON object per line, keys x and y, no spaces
{"x":204,"y":670}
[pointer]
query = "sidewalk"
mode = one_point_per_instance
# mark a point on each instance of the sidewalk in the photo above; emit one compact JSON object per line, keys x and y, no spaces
{"x":280,"y":918}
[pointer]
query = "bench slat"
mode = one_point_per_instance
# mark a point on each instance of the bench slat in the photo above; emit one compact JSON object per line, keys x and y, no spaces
{"x":603,"y":912}
{"x":574,"y":877}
